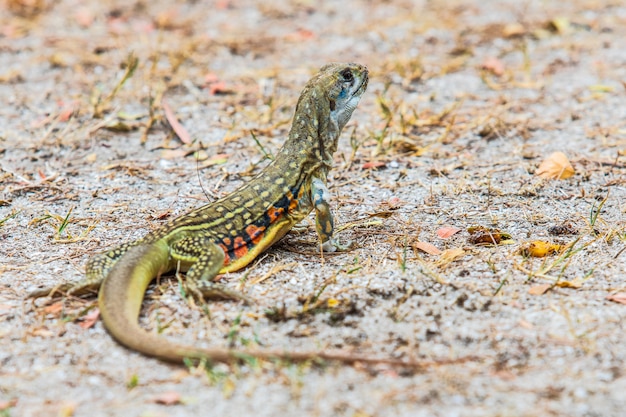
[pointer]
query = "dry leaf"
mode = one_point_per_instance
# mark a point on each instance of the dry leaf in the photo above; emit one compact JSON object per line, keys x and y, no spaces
{"x":555,"y":167}
{"x":42,"y":332}
{"x":569,"y":284}
{"x":168,"y":398}
{"x":53,"y":308}
{"x":373,"y":164}
{"x":394,"y":203}
{"x":178,"y":129}
{"x":483,"y":236}
{"x":162,"y":215}
{"x":174,"y":153}
{"x":427,"y":247}
{"x":447,"y":231}
{"x":332,"y":302}
{"x":300,"y":35}
{"x":512,"y":30}
{"x":68,"y":409}
{"x":5,"y":405}
{"x":219,"y":87}
{"x":449,"y":256}
{"x":90,"y":319}
{"x":539,"y":249}
{"x":452,"y":254}
{"x":539,"y":289}
{"x":565,"y":228}
{"x":218,"y":159}
{"x":493,"y":65}
{"x":560,"y":25}
{"x":84,"y":17}
{"x":525,"y":324}
{"x":619,"y":297}
{"x":66,"y":113}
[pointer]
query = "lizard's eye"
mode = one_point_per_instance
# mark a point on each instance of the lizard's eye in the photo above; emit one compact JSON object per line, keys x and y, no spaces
{"x":347,"y":75}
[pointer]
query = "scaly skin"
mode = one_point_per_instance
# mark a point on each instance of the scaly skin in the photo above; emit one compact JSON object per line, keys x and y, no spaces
{"x":228,"y":234}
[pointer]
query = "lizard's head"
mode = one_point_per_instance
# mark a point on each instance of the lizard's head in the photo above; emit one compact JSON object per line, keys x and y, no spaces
{"x":324,"y":108}
{"x":345,"y":84}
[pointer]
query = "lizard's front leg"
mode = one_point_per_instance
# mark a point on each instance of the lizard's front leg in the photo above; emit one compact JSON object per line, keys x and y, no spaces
{"x":208,"y":260}
{"x":324,"y":221}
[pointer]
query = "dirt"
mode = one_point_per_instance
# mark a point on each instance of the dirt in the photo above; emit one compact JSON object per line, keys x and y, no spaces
{"x":466,"y":100}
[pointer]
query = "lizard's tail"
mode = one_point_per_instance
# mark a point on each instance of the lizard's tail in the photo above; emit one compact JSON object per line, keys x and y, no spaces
{"x":121,"y":297}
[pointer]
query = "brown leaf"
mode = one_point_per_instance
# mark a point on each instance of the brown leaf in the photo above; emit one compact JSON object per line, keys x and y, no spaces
{"x":394,"y":203}
{"x":168,"y":398}
{"x":5,"y":405}
{"x":66,"y":113}
{"x":447,"y":231}
{"x":373,"y":164}
{"x":480,"y":235}
{"x":555,"y":167}
{"x":53,"y":308}
{"x":219,"y":87}
{"x":84,"y":17}
{"x":493,"y":65}
{"x":162,"y":215}
{"x":174,"y":153}
{"x":90,"y":319}
{"x":178,"y":129}
{"x":619,"y":297}
{"x":512,"y":30}
{"x":539,"y":289}
{"x":427,"y":247}
{"x":300,"y":35}
{"x":565,"y":228}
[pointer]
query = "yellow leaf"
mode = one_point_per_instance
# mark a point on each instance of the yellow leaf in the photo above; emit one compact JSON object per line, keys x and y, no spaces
{"x":561,"y":25}
{"x":569,"y":284}
{"x":539,"y":249}
{"x":450,"y":255}
{"x":555,"y":167}
{"x":332,"y":302}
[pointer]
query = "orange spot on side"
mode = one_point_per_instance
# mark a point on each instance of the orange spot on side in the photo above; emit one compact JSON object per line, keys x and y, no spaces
{"x":240,"y":247}
{"x":226,"y":241}
{"x":293,"y":203}
{"x":274,"y":213}
{"x":255,"y":233}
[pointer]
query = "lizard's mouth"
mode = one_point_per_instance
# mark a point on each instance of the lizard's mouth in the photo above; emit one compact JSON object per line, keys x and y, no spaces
{"x":362,"y":86}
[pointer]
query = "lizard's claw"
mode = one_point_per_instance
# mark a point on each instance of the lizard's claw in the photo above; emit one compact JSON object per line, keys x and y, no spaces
{"x":331,"y":245}
{"x":209,"y":290}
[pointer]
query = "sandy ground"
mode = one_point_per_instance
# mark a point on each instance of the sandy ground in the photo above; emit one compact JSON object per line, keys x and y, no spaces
{"x":466,"y":100}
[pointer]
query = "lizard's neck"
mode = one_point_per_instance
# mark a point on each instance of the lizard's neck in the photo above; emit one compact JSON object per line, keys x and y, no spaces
{"x":313,"y":136}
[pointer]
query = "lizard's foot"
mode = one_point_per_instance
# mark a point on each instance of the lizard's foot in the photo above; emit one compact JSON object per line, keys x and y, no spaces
{"x":204,"y":290}
{"x":299,"y":229}
{"x":331,"y":245}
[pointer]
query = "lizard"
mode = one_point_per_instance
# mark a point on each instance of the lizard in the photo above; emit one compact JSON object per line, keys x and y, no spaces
{"x":227,"y":234}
